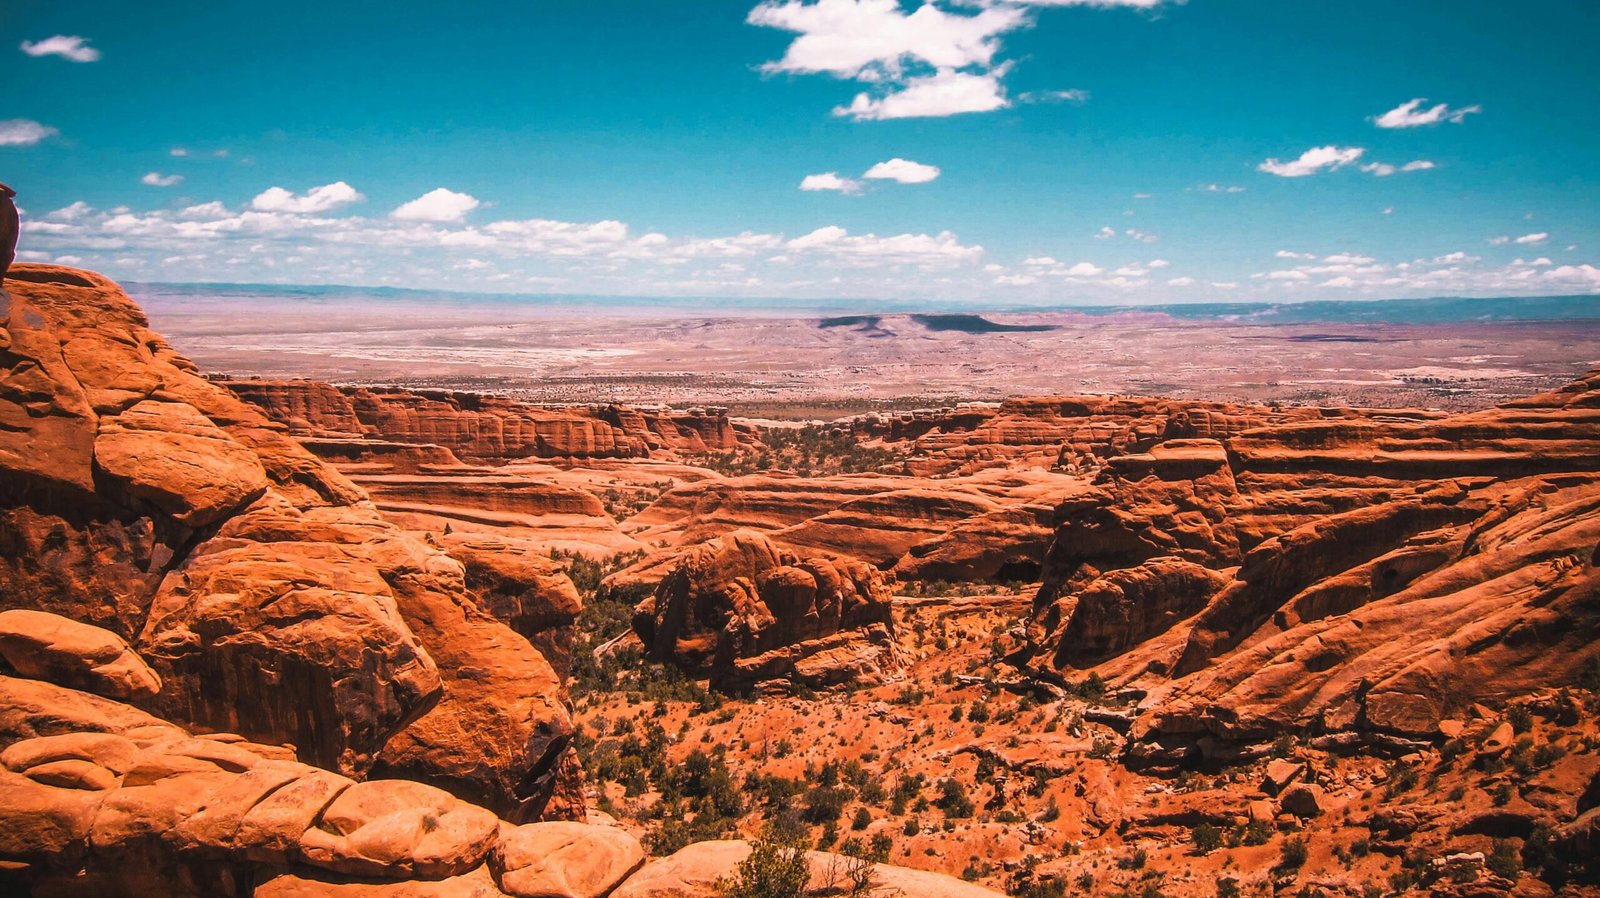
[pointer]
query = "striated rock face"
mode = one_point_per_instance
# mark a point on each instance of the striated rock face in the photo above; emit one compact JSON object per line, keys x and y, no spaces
{"x":262,"y":587}
{"x":485,"y":428}
{"x":742,"y":611}
{"x":1360,"y":574}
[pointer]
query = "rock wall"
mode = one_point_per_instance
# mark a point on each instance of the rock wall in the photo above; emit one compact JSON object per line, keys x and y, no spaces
{"x":486,"y":428}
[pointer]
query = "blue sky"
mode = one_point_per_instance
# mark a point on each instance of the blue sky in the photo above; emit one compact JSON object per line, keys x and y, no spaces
{"x":1051,"y":151}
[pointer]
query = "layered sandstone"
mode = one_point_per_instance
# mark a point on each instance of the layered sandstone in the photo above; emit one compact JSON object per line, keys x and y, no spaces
{"x":487,"y":428}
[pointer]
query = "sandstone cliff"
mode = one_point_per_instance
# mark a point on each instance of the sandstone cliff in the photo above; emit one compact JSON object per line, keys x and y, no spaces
{"x":264,"y":589}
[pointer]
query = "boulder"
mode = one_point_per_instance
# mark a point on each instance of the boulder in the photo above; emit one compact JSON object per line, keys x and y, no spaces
{"x":1303,"y":800}
{"x":396,"y":829}
{"x":47,"y":646}
{"x":564,"y":860}
{"x":1280,"y":773}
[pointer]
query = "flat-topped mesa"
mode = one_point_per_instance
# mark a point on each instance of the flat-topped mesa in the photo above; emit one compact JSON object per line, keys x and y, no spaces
{"x":742,"y":611}
{"x":484,"y":428}
{"x":263,"y":588}
{"x":1355,"y":575}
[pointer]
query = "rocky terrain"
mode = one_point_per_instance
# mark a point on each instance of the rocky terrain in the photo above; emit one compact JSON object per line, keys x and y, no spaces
{"x":277,"y":637}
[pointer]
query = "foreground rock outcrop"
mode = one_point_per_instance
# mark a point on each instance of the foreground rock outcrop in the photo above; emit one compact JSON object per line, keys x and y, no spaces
{"x":740,"y":610}
{"x":263,"y":589}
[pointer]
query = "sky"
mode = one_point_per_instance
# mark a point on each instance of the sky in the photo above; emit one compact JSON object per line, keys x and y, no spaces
{"x":1003,"y":152}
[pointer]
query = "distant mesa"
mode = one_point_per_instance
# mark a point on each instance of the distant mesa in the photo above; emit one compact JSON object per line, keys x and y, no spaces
{"x":966,"y":324}
{"x":1333,"y":338}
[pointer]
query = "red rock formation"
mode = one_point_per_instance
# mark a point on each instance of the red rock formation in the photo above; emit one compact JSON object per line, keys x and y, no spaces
{"x":742,"y":611}
{"x":486,"y":428}
{"x":261,"y":585}
{"x":1364,"y":575}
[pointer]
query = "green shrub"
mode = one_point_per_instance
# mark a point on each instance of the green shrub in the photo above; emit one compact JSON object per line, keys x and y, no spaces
{"x":776,"y":868}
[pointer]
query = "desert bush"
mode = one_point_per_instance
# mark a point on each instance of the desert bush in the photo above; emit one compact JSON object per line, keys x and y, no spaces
{"x":776,"y":868}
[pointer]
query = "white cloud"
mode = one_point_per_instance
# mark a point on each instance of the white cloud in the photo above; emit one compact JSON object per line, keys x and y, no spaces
{"x":21,"y":132}
{"x":902,"y":170}
{"x":156,"y":179}
{"x":1105,"y":233}
{"x":1141,"y":236}
{"x":946,"y":92}
{"x":1348,"y":259}
{"x":1084,"y":270}
{"x":1180,"y":282}
{"x":1041,"y":261}
{"x":72,"y":212}
{"x":317,"y":199}
{"x":1411,"y":115}
{"x":1103,"y":4}
{"x":829,"y":180}
{"x":1157,"y":263}
{"x":1500,"y":241}
{"x":1220,"y":188}
{"x":1527,"y":239}
{"x":179,"y":152}
{"x":66,"y":46}
{"x":1291,"y":254}
{"x":873,"y":40}
{"x":835,"y":241}
{"x":438,"y":204}
{"x":1016,"y":280}
{"x":1312,"y":161}
{"x":1072,"y":95}
{"x":1384,"y":169}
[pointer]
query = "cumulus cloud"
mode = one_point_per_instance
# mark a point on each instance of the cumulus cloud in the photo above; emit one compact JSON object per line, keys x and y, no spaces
{"x":317,"y":199}
{"x":1312,"y":161}
{"x":902,"y":170}
{"x":1291,"y":254}
{"x":438,"y":204}
{"x":1527,"y":239}
{"x":946,"y":92}
{"x":1085,"y":270}
{"x":875,"y":39}
{"x":1412,"y":115}
{"x":66,"y":46}
{"x":830,"y":180}
{"x":157,"y":179}
{"x":933,"y":58}
{"x":21,"y":132}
